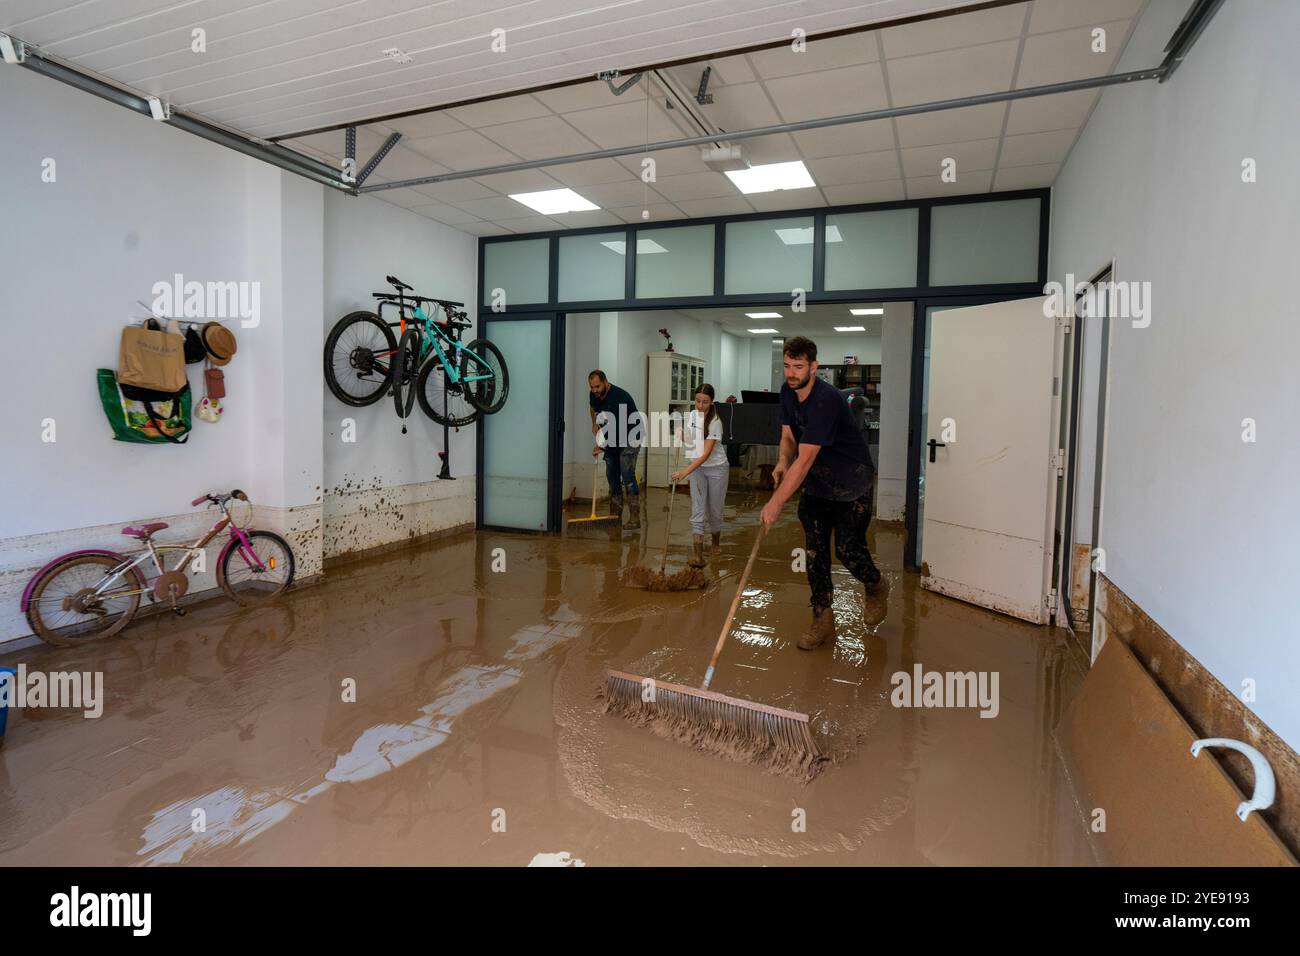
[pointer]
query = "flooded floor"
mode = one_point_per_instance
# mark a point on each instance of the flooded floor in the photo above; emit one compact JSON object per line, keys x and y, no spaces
{"x":476,"y":738}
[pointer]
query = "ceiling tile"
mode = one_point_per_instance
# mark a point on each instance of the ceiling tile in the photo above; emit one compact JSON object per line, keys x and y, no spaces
{"x":1067,"y":55}
{"x":694,"y":186}
{"x":1025,"y":177}
{"x":631,"y":192}
{"x":852,"y":89}
{"x":847,"y":139}
{"x":483,"y":228}
{"x":732,"y":69}
{"x":786,"y":199}
{"x":531,"y":224}
{"x":949,"y":33}
{"x":407,"y":197}
{"x":953,"y":73}
{"x":817,"y":55}
{"x":520,"y":181}
{"x":717,"y":206}
{"x":401,"y":163}
{"x":668,"y":162}
{"x":454,"y":191}
{"x":1058,"y":111}
{"x":445,"y":214}
{"x":590,"y":171}
{"x":658,"y":213}
{"x":508,"y":109}
{"x":425,"y":124}
{"x":925,"y":161}
{"x":467,"y":150}
{"x":741,"y":107}
{"x":496,"y":209}
{"x":777,"y":148}
{"x":624,"y":124}
{"x":583,"y":220}
{"x":952,"y":126}
{"x":864,"y":192}
{"x":587,"y":96}
{"x":863,"y":168}
{"x":1061,"y":14}
{"x":539,"y":138}
{"x":1036,"y":149}
{"x":931,"y":186}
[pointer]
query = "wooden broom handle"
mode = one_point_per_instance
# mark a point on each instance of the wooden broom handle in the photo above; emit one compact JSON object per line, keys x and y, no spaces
{"x":672,"y":493}
{"x":595,"y":480}
{"x":735,"y":604}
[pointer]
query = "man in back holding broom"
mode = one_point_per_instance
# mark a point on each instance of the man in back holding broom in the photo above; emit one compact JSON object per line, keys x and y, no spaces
{"x":614,"y":413}
{"x":824,"y":454}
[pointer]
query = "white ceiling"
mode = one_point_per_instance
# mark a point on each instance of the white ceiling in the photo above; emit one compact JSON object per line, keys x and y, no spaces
{"x":275,"y":66}
{"x":280,"y":65}
{"x":997,"y":147}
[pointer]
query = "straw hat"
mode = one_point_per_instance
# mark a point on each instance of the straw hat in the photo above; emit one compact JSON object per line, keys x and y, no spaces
{"x":219,"y":341}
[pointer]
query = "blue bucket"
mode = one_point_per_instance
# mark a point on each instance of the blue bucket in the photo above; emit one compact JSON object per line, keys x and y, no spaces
{"x":8,"y":676}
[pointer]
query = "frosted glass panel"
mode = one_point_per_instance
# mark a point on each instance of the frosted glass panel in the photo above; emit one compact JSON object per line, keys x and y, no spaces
{"x":984,"y":242}
{"x":515,"y":452}
{"x":871,"y":250}
{"x":769,"y":255}
{"x":522,"y":269}
{"x":593,"y":267}
{"x":673,"y":262}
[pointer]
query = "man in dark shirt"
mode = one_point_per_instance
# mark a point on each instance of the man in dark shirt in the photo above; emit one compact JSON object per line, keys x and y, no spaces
{"x":616,"y":423}
{"x":823,"y":452}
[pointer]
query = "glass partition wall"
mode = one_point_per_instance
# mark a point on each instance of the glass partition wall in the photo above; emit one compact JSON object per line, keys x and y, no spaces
{"x":938,"y":252}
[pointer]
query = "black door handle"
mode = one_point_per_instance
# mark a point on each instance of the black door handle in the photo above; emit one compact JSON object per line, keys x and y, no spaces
{"x":933,"y":445}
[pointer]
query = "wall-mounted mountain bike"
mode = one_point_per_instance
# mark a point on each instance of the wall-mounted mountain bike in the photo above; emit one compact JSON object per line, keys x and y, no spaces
{"x":425,"y":362}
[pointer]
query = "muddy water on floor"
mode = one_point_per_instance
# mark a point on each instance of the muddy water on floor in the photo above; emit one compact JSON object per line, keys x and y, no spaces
{"x":476,"y":737}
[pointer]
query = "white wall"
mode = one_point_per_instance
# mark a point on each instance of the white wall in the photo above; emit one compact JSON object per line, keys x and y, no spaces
{"x":134,"y":202}
{"x":383,"y":487}
{"x":1200,"y":528}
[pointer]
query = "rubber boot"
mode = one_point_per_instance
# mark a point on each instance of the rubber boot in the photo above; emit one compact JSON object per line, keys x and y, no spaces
{"x":822,"y":627}
{"x":633,"y":513}
{"x":875,"y":603}
{"x":715,"y":547}
{"x":697,"y":552}
{"x":615,"y":507}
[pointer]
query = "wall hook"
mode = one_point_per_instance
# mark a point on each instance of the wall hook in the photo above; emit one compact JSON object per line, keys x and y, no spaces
{"x":1265,"y":787}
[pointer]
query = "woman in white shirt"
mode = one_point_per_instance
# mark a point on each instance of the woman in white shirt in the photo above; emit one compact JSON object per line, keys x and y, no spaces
{"x":708,"y":472}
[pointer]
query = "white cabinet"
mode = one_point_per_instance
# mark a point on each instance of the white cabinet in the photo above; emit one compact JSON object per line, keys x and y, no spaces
{"x":671,"y":381}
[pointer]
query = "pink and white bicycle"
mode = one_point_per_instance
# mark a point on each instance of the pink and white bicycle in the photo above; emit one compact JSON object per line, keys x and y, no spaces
{"x":86,"y":595}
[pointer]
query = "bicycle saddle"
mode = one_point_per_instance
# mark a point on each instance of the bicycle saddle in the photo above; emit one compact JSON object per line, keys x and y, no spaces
{"x":145,"y":530}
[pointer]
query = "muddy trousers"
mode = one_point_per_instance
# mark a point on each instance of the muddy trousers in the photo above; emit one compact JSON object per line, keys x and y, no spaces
{"x":620,"y":469}
{"x":847,"y":521}
{"x":708,"y":495}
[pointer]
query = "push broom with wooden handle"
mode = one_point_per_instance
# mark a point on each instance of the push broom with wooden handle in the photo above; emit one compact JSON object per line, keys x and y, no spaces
{"x":776,"y":739}
{"x":595,"y":483}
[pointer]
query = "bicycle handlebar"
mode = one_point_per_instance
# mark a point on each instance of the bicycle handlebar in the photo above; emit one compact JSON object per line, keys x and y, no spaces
{"x":219,"y":499}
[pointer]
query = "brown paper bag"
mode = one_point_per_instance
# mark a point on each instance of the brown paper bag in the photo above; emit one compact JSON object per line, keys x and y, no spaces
{"x":151,"y":359}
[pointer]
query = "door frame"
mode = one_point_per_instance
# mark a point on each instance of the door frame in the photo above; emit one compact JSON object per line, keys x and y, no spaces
{"x":554,"y":418}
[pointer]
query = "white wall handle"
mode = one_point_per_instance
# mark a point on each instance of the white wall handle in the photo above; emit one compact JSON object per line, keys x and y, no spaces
{"x":1265,"y":787}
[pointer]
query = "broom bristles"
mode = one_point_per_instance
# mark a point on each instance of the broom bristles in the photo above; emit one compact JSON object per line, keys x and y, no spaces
{"x":639,"y":576}
{"x":777,"y":741}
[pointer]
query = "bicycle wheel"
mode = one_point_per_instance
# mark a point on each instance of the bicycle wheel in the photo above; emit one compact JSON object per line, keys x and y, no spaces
{"x":63,"y":610}
{"x":358,"y":353}
{"x":404,"y":373}
{"x":433,"y":390}
{"x":488,"y":395}
{"x":245,"y":582}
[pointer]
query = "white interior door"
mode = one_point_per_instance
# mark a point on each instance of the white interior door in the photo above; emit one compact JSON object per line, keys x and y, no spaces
{"x":990,"y":491}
